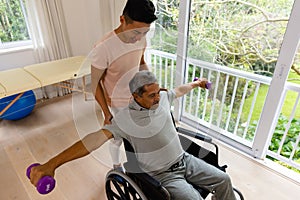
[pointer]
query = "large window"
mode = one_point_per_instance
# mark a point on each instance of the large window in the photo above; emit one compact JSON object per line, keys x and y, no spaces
{"x":238,"y":46}
{"x":13,"y":27}
{"x":235,"y":44}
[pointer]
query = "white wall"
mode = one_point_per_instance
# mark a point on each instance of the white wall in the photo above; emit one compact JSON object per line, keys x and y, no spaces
{"x":87,"y":22}
{"x":83,"y":24}
{"x":16,"y":58}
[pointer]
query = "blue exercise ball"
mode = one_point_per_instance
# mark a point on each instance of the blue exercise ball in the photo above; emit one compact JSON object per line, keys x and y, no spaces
{"x":21,"y":108}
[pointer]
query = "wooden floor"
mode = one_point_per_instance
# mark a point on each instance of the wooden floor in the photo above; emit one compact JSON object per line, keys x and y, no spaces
{"x":55,"y":124}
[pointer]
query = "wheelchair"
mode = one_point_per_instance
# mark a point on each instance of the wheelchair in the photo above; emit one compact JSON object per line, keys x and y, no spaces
{"x":134,"y":184}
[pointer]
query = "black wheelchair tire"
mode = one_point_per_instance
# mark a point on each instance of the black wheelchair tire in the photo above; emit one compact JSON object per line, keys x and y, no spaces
{"x":238,"y":194}
{"x":121,"y":187}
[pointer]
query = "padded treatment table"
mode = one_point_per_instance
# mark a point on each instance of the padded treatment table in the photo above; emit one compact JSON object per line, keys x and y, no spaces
{"x":15,"y":81}
{"x":56,"y":71}
{"x":2,"y":91}
{"x":30,"y":77}
{"x":38,"y":75}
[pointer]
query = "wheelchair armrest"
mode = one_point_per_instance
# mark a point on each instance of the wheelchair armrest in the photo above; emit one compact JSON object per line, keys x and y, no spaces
{"x":194,"y":134}
{"x":150,"y":179}
{"x":148,"y":184}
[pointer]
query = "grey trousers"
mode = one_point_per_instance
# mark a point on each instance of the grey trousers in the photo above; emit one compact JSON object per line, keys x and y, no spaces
{"x":199,"y":173}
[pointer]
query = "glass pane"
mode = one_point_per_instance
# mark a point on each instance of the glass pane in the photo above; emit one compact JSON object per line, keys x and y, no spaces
{"x":235,"y":45}
{"x":165,"y":38}
{"x":164,"y":41}
{"x":285,"y":143}
{"x":245,"y":35}
{"x":13,"y":26}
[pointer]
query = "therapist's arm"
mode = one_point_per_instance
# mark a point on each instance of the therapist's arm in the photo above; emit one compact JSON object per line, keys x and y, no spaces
{"x":98,"y":91}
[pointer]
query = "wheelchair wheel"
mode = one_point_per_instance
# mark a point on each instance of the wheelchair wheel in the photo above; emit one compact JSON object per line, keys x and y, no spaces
{"x":238,"y":194}
{"x":120,"y":187}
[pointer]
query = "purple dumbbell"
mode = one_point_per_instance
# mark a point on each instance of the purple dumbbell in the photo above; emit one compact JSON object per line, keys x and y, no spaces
{"x":45,"y":185}
{"x":207,"y":85}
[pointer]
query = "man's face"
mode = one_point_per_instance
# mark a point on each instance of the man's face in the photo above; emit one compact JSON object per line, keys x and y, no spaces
{"x":150,"y":98}
{"x":135,"y":31}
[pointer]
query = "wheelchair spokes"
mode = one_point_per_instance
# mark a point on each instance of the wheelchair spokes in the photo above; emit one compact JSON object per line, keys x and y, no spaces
{"x":120,"y":187}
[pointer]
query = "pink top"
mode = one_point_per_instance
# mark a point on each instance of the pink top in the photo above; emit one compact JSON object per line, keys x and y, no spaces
{"x":121,"y":61}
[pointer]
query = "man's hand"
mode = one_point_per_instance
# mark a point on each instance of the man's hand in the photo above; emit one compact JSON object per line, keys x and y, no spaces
{"x":37,"y":172}
{"x":202,"y":82}
{"x":107,"y":119}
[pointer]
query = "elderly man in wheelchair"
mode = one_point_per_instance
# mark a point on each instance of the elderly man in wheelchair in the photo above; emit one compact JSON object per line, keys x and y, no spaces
{"x":160,"y":160}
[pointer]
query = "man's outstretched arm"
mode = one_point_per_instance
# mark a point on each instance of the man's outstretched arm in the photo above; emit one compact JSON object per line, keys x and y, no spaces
{"x":80,"y":149}
{"x":186,"y":88}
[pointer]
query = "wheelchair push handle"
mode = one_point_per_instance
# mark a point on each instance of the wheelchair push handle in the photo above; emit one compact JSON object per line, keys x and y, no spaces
{"x":207,"y":85}
{"x":45,"y":185}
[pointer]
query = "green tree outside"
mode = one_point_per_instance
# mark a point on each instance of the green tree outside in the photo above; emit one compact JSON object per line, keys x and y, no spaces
{"x":12,"y":22}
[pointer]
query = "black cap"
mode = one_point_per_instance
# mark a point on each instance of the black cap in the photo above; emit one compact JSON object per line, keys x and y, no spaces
{"x":140,"y":10}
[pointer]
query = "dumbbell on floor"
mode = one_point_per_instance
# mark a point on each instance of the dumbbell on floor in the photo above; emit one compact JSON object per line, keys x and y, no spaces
{"x":45,"y":185}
